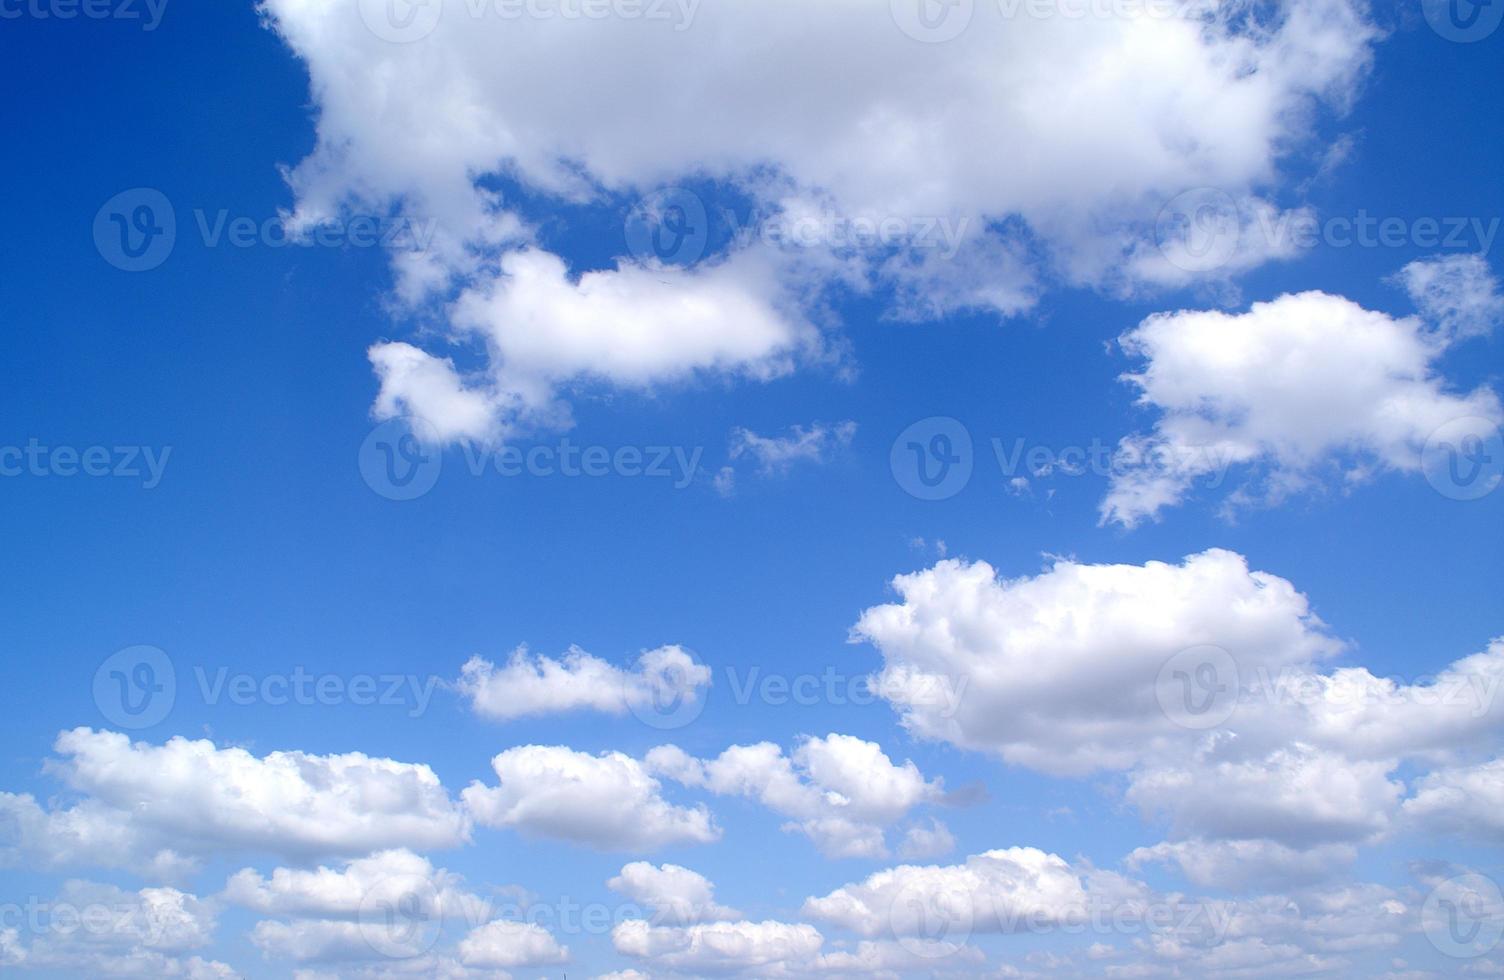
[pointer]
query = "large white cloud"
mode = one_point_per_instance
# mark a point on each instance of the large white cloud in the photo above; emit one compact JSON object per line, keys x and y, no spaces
{"x":1298,"y":388}
{"x":536,"y":685}
{"x":840,"y":791}
{"x":1060,"y":670}
{"x":719,"y":947}
{"x":607,"y":801}
{"x":807,"y":109}
{"x":157,"y":809}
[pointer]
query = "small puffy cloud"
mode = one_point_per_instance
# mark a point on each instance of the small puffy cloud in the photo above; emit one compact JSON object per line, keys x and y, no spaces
{"x":997,"y":891}
{"x":1296,"y":387}
{"x":340,"y":893}
{"x":158,"y":809}
{"x":507,"y":945}
{"x":719,"y":947}
{"x":1239,"y":864}
{"x":676,"y":895}
{"x":533,"y":684}
{"x":777,"y":454}
{"x":840,"y":791}
{"x":1457,"y":293}
{"x":607,"y":801}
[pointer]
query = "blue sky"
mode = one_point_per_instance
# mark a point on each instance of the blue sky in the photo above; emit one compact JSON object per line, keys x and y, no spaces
{"x":262,"y":542}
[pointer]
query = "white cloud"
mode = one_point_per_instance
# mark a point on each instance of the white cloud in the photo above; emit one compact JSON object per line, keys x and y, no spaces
{"x":91,"y":929}
{"x":340,"y":893}
{"x":719,"y":947}
{"x":1458,"y":293}
{"x":537,"y":685}
{"x":676,"y":895}
{"x":158,"y":809}
{"x":840,"y":791}
{"x":926,"y":841}
{"x":1295,"y":387}
{"x":504,"y":945}
{"x":1462,"y":800}
{"x":1239,"y":864}
{"x":776,"y":454}
{"x":607,"y":801}
{"x":1060,"y":669}
{"x":1204,"y":99}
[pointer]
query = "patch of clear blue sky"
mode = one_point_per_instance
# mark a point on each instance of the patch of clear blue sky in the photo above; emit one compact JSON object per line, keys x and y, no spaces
{"x":262,"y":549}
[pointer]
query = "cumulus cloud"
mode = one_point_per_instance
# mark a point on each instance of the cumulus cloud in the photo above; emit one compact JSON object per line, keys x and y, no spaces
{"x":789,"y":102}
{"x":340,"y":893}
{"x":676,"y":895}
{"x":159,"y":809}
{"x":533,"y":684}
{"x":91,"y":929}
{"x":718,"y":947}
{"x":1464,"y":800}
{"x":1062,"y":667}
{"x":609,"y":801}
{"x":1298,"y":387}
{"x":840,"y":791}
